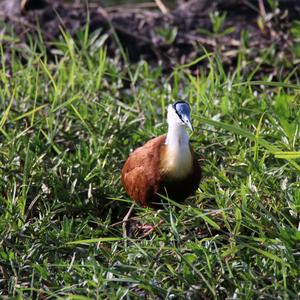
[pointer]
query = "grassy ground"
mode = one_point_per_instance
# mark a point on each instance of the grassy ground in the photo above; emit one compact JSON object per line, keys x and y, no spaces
{"x":66,"y":127}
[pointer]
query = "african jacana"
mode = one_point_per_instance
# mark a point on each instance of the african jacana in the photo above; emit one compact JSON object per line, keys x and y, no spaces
{"x":165,"y":165}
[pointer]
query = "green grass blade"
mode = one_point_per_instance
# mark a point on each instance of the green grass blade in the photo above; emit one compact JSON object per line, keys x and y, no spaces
{"x":269,"y":83}
{"x":31,"y":112}
{"x":267,"y":254}
{"x":6,"y":112}
{"x":245,"y":133}
{"x":194,"y":62}
{"x":206,"y":219}
{"x":258,"y":128}
{"x":97,"y":240}
{"x":287,"y":155}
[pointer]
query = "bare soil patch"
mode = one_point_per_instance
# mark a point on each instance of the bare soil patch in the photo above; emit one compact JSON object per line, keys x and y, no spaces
{"x":147,"y":31}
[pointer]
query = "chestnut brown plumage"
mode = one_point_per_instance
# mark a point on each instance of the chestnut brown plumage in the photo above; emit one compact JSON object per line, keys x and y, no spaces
{"x":165,"y":165}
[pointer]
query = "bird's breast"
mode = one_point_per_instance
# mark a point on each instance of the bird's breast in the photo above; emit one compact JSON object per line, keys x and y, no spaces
{"x":176,"y":162}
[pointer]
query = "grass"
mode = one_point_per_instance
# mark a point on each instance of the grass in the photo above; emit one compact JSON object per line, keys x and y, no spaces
{"x":66,"y":127}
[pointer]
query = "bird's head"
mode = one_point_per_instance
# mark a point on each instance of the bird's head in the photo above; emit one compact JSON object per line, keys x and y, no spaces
{"x":179,"y":114}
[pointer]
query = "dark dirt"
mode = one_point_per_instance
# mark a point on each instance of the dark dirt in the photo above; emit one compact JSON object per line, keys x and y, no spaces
{"x":145,"y":32}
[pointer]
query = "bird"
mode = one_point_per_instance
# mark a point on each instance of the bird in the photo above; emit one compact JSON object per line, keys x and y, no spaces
{"x":165,"y":165}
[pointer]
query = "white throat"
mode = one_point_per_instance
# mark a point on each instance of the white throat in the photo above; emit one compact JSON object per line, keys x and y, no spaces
{"x":178,"y":159}
{"x":177,"y":137}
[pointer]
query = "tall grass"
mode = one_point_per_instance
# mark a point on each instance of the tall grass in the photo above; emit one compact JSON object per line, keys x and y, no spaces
{"x":66,"y":127}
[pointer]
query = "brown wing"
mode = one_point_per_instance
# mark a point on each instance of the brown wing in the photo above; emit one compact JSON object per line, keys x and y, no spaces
{"x":140,"y":173}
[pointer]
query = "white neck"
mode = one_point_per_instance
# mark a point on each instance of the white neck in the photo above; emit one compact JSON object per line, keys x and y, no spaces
{"x":178,"y":159}
{"x":177,"y":137}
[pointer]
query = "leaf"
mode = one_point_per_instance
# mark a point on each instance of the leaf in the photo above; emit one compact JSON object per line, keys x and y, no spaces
{"x":288,"y":127}
{"x":281,"y":105}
